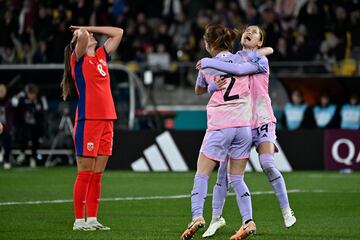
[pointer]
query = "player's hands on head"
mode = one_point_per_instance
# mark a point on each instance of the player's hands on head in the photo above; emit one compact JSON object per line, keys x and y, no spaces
{"x":74,"y":28}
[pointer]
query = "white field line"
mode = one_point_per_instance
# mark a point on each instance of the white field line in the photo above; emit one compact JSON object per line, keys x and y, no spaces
{"x":145,"y":198}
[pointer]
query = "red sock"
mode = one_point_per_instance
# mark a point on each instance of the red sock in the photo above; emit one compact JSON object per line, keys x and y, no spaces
{"x":93,"y":197}
{"x":80,"y":191}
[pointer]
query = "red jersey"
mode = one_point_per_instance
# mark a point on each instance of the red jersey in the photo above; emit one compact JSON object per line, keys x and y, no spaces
{"x":92,"y":81}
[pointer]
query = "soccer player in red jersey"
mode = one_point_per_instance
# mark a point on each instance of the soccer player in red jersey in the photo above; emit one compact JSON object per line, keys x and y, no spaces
{"x":87,"y":66}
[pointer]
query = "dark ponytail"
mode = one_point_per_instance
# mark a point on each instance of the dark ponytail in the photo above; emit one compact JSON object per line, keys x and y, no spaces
{"x":219,"y":37}
{"x":65,"y":83}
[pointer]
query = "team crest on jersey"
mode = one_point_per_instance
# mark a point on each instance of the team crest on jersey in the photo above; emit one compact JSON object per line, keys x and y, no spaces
{"x":102,"y":62}
{"x":90,"y":146}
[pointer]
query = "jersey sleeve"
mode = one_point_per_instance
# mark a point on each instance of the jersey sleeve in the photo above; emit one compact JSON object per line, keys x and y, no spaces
{"x":255,"y":64}
{"x":200,"y":81}
{"x":260,"y":61}
{"x":101,"y":51}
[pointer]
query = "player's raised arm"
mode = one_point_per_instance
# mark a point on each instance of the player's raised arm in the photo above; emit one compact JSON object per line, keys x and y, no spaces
{"x":256,"y":65}
{"x":265,"y":51}
{"x":81,"y":36}
{"x":114,"y":35}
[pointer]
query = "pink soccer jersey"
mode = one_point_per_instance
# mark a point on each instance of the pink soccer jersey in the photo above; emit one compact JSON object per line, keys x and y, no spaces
{"x":257,"y":69}
{"x":230,"y":107}
{"x":262,"y":110}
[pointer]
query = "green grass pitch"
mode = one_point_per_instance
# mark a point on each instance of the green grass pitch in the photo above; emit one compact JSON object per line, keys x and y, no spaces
{"x":326,"y":204}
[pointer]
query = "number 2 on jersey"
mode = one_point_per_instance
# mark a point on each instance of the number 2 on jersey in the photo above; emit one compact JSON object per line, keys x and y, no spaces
{"x":101,"y":70}
{"x":227,"y":96}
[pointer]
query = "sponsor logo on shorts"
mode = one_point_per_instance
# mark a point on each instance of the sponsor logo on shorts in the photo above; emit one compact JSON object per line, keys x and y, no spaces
{"x":90,"y":146}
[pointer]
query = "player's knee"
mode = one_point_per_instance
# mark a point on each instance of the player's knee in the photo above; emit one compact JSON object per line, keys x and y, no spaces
{"x":267,"y":166}
{"x":267,"y":161}
{"x":234,"y":178}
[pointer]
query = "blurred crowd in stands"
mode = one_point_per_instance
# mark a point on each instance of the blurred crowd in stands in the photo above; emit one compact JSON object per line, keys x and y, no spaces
{"x":36,"y":31}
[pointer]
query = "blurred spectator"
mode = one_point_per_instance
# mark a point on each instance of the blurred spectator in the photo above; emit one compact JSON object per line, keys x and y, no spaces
{"x":171,"y":9}
{"x":325,"y":113}
{"x":355,"y":33}
{"x":6,"y":120}
{"x":297,"y":114}
{"x":281,"y":52}
{"x":25,"y":50}
{"x":7,"y":55}
{"x":180,"y":30}
{"x":9,"y":26}
{"x":30,"y":116}
{"x":41,"y":54}
{"x":350,"y":114}
{"x":26,"y":16}
{"x":296,"y":28}
{"x":312,"y":19}
{"x":162,"y":37}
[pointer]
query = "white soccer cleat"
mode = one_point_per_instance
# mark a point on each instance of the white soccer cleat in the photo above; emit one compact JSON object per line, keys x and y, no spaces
{"x":82,"y":226}
{"x":214,"y":226}
{"x":289,"y":217}
{"x":95,"y":225}
{"x":7,"y":166}
{"x":32,"y":163}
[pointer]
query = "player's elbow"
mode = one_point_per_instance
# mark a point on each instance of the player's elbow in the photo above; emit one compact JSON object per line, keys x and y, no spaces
{"x":271,"y":50}
{"x":199,"y":90}
{"x":119,"y":32}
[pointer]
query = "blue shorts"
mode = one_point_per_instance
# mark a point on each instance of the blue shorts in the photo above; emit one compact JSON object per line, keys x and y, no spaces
{"x":265,"y":133}
{"x":228,"y":142}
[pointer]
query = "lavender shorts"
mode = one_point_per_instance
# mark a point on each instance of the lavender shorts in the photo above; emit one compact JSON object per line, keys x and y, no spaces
{"x":228,"y":142}
{"x":265,"y":133}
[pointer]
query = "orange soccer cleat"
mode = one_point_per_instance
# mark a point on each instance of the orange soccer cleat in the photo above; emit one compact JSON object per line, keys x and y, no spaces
{"x":245,"y":231}
{"x":192,"y":228}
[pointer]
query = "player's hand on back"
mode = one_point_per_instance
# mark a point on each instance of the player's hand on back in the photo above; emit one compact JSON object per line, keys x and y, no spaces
{"x":198,"y":65}
{"x":201,"y":64}
{"x":1,"y":128}
{"x":220,"y":82}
